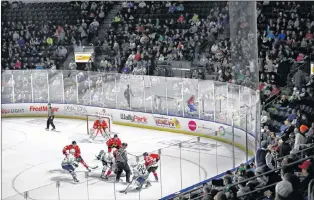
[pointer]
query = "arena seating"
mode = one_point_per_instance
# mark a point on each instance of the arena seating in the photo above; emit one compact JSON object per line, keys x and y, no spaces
{"x":287,"y":117}
{"x":145,"y":32}
{"x":150,"y":32}
{"x":41,"y":35}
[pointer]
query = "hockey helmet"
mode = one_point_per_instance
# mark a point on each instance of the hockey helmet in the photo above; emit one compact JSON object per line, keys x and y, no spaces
{"x":115,"y":136}
{"x":145,"y":154}
{"x":124,"y":144}
{"x":73,"y":142}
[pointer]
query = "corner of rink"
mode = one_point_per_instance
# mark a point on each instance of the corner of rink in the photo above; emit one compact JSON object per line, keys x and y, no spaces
{"x":32,"y":160}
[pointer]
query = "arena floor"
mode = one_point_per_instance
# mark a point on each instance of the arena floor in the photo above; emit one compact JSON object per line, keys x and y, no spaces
{"x":31,"y":161}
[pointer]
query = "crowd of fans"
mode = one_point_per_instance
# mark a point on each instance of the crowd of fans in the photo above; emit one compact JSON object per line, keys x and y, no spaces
{"x":284,"y":166}
{"x":144,"y":33}
{"x":40,"y":35}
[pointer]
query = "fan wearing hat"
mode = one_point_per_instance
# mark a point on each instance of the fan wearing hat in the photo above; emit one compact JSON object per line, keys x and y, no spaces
{"x":300,"y":137}
{"x":307,"y":172}
{"x":284,"y":190}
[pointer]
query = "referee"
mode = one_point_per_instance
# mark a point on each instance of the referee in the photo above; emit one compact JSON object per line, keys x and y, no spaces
{"x":122,"y":163}
{"x":50,"y":118}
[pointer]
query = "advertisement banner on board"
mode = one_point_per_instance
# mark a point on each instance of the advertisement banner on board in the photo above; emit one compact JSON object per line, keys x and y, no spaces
{"x":134,"y":118}
{"x":75,"y":109}
{"x":12,"y":110}
{"x":167,"y":122}
{"x":41,"y":108}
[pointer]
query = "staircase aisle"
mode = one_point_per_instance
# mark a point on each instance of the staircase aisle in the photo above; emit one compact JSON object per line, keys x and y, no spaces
{"x":102,"y":31}
{"x":109,"y":19}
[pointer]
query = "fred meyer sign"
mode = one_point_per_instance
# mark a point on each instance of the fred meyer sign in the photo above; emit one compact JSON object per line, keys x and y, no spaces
{"x":41,"y":108}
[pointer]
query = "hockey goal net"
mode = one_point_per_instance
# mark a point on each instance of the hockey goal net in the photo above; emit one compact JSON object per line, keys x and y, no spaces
{"x":92,"y":118}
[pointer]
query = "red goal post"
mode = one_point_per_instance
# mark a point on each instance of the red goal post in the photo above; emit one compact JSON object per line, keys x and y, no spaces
{"x":90,"y":119}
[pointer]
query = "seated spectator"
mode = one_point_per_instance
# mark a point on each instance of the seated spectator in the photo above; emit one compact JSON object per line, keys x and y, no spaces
{"x":307,"y":173}
{"x":72,"y":65}
{"x":243,"y":188}
{"x":220,"y":196}
{"x":284,"y":190}
{"x":300,"y":138}
{"x":295,"y":182}
{"x":284,"y":147}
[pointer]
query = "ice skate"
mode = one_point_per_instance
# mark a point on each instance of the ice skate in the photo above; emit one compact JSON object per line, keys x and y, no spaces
{"x":75,"y":180}
{"x":148,"y":184}
{"x":156,"y":179}
{"x":104,"y":177}
{"x":47,"y":129}
{"x":88,"y":169}
{"x":139,"y":187}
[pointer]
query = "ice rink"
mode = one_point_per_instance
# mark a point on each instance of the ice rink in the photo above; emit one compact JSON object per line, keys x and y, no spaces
{"x":31,"y":158}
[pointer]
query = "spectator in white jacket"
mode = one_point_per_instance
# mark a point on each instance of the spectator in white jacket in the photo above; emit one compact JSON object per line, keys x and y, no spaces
{"x":72,"y":65}
{"x":300,"y":137}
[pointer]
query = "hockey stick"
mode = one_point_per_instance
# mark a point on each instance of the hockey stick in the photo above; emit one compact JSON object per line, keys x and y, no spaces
{"x":95,"y":167}
{"x":125,"y":190}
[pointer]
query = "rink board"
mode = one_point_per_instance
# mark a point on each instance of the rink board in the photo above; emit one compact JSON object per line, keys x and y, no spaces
{"x":195,"y":127}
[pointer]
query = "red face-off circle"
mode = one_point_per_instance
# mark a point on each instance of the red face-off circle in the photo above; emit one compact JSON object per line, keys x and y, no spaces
{"x":192,"y":125}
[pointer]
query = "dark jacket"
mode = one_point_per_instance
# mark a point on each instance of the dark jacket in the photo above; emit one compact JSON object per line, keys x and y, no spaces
{"x":284,"y":149}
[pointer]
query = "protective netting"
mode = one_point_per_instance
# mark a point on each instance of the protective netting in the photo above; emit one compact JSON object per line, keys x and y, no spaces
{"x":243,"y":38}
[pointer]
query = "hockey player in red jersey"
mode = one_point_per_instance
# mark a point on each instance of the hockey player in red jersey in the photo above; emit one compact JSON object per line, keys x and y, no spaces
{"x":151,"y":161}
{"x":114,"y":142}
{"x":99,"y":126}
{"x":77,"y":154}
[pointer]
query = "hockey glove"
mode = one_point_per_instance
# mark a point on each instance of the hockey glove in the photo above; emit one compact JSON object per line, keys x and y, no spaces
{"x":79,"y":159}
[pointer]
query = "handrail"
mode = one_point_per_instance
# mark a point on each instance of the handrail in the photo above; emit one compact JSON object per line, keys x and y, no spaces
{"x":273,"y":170}
{"x":257,"y":190}
{"x":285,"y":87}
{"x":297,"y":152}
{"x":295,"y":70}
{"x":252,"y":178}
{"x":309,"y":190}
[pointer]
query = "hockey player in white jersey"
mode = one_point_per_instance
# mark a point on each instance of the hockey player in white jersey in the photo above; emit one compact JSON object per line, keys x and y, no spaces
{"x":69,"y":164}
{"x":107,"y":162}
{"x":140,"y":177}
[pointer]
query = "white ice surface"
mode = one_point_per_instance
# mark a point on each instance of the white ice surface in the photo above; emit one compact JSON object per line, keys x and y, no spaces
{"x":31,"y":161}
